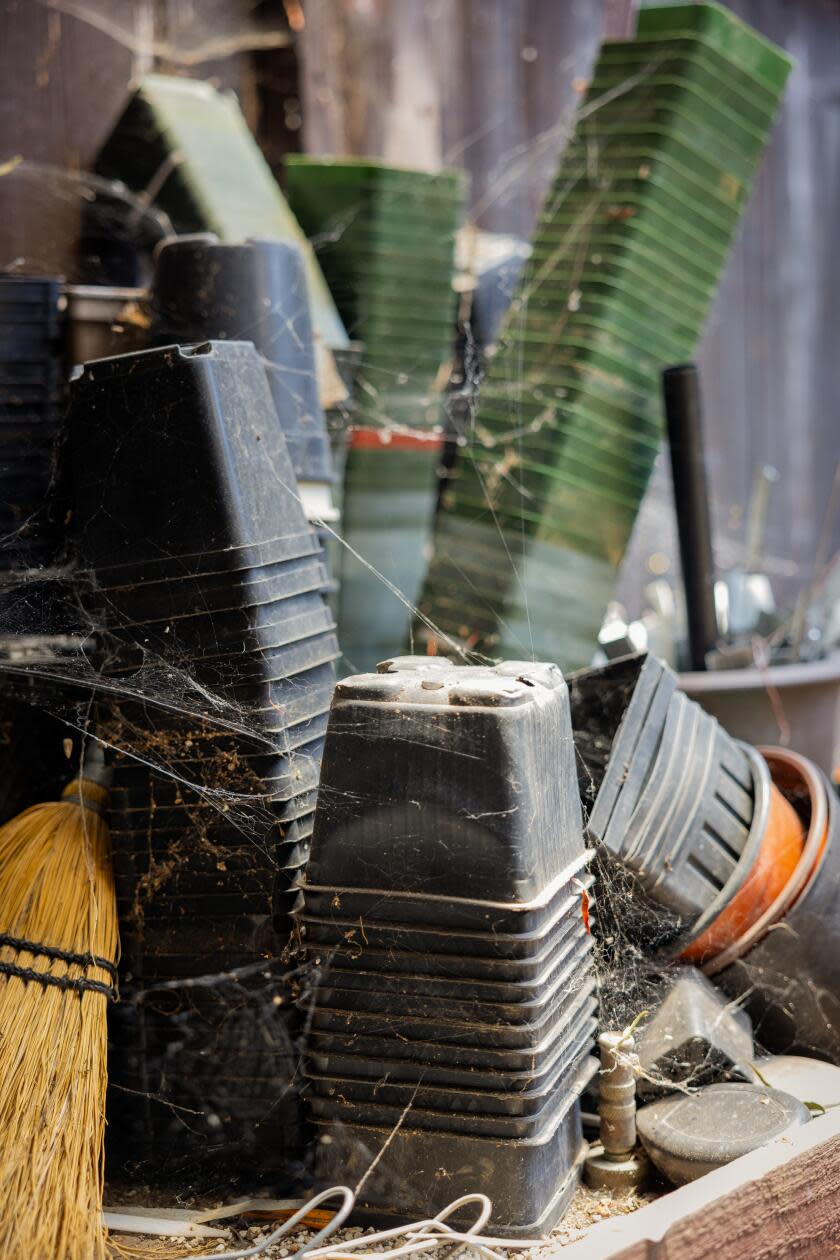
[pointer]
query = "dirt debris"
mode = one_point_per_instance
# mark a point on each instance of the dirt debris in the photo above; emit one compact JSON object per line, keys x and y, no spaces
{"x":586,"y":1209}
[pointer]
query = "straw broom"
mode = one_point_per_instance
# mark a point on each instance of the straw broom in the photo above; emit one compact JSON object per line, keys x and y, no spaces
{"x":58,"y":951}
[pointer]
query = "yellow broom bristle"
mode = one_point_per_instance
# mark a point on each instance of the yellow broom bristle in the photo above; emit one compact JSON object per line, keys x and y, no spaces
{"x":56,"y":892}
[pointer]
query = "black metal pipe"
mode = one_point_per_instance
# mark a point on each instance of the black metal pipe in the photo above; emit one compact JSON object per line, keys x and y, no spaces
{"x":683,"y":413}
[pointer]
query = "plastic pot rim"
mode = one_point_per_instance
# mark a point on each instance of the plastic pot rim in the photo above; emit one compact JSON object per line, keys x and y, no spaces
{"x":806,"y":868}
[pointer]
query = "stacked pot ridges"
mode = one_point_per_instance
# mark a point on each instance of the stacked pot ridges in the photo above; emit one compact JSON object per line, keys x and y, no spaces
{"x":219,"y":652}
{"x":626,"y":258}
{"x":446,"y":921}
{"x":669,"y":795}
{"x":32,"y":375}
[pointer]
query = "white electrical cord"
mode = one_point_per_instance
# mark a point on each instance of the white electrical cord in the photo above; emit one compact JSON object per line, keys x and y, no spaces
{"x":419,"y":1235}
{"x":348,"y":1199}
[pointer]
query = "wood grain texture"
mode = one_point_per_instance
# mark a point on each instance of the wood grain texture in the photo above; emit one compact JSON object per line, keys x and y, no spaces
{"x":781,"y":1202}
{"x":792,"y":1213}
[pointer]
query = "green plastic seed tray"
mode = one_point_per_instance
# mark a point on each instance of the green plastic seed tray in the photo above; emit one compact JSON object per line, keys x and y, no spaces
{"x":685,"y":104}
{"x":569,"y":462}
{"x":578,"y":354}
{"x":500,"y":418}
{"x":414,"y":325}
{"x":723,"y":31}
{"x":587,"y":219}
{"x":645,"y":348}
{"x":667,"y":82}
{"x":649,"y":203}
{"x":363,"y":241}
{"x":623,"y":271}
{"x":677,"y":65}
{"x":697,"y":150}
{"x":565,"y":509}
{"x":634,"y":153}
{"x":599,"y":394}
{"x":349,"y":172}
{"x":630,"y":314}
{"x":577,"y":436}
{"x":639,"y":279}
{"x":402,"y":301}
{"x":625,"y":243}
{"x":575,"y":448}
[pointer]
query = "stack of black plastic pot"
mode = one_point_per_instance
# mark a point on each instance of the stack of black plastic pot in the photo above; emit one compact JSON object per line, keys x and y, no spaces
{"x":670,"y":797}
{"x":205,"y":289}
{"x":447,"y":920}
{"x":31,"y":388}
{"x":222,"y":649}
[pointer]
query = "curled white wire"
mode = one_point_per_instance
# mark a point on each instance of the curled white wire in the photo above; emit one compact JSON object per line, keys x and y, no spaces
{"x":347,"y":1198}
{"x":419,"y":1236}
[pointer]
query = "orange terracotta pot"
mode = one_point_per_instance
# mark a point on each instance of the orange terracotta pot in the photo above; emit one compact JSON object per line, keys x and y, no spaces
{"x":777,"y":859}
{"x":801,"y":781}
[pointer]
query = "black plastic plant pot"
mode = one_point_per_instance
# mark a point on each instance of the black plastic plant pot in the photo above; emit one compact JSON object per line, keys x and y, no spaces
{"x":491,"y":1078}
{"x":381,"y":909}
{"x":456,"y":785}
{"x":677,"y":802}
{"x":242,"y":870}
{"x":192,"y":938}
{"x":136,"y":788}
{"x":618,"y":712}
{"x":236,"y":778}
{"x":701,"y":816}
{"x":292,"y":857}
{"x":223,"y":827}
{"x":332,"y":1045}
{"x":789,"y":979}
{"x":176,"y":452}
{"x":249,"y":654}
{"x":571,"y":903}
{"x":351,"y":965}
{"x":224,"y":563}
{"x":524,"y":1005}
{"x":225,"y":627}
{"x":465,"y":1030}
{"x":530,"y":1180}
{"x":204,"y":289}
{"x":293,"y":696}
{"x":247,"y":587}
{"x":369,"y":1089}
{"x":287,"y":715}
{"x":340,"y":1110}
{"x":207,"y":639}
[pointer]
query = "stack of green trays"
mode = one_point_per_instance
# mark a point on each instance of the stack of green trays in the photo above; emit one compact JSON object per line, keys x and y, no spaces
{"x":627,"y":255}
{"x":385,"y":239}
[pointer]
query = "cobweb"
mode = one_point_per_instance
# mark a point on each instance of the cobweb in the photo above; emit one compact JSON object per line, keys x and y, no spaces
{"x":207,"y":1066}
